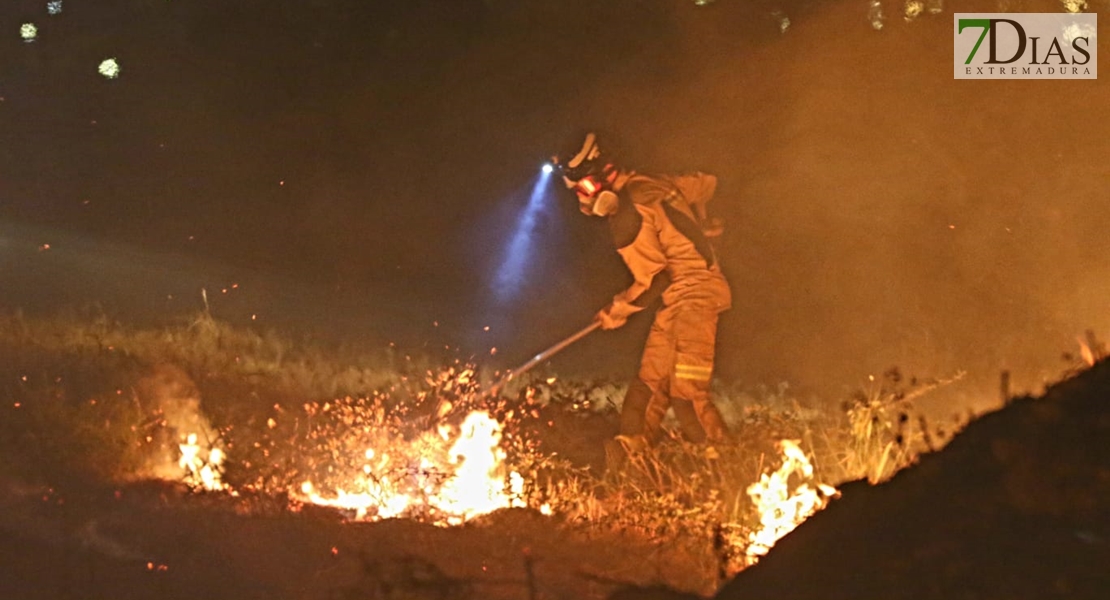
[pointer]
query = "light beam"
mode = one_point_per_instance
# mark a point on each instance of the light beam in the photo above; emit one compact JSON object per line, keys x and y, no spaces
{"x":518,"y":254}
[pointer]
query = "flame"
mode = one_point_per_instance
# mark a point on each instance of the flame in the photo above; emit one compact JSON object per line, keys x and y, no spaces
{"x":782,"y":508}
{"x":203,"y":468}
{"x":1087,"y":353}
{"x":364,"y":456}
{"x":375,"y":459}
{"x":456,"y":477}
{"x":478,"y":486}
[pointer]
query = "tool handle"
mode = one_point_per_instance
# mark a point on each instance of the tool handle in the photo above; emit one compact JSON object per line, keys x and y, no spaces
{"x":546,"y":354}
{"x":443,"y":406}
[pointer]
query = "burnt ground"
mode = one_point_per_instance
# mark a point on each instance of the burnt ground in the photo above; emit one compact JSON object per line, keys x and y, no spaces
{"x":1016,"y":506}
{"x":157,"y":541}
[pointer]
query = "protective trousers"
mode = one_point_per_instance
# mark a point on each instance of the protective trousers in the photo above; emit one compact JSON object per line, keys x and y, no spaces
{"x":675,"y":372}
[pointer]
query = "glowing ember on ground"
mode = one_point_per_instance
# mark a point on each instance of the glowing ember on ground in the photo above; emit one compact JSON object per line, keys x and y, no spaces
{"x":446,"y":454}
{"x":448,"y":477}
{"x":783,"y":507}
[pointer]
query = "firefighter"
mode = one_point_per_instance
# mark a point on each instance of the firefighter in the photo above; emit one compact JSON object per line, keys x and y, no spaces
{"x":660,"y":229}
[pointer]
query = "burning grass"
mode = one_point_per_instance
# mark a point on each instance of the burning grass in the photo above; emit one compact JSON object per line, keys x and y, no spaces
{"x":380,"y":434}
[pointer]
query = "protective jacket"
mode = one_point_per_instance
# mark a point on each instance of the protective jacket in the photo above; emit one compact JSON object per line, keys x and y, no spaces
{"x":656,"y":229}
{"x":657,"y":232}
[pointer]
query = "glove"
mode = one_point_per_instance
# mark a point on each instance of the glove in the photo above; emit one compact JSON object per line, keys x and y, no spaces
{"x":616,"y":313}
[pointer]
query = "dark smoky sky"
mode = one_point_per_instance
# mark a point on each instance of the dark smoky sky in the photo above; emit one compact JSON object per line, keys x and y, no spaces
{"x":361,"y":168}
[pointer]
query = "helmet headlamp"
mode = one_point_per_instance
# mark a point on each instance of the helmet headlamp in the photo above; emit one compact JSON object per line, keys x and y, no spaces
{"x":585,"y":171}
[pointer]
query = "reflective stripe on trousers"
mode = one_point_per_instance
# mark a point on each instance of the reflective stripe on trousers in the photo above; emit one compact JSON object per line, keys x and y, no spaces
{"x":678,"y":363}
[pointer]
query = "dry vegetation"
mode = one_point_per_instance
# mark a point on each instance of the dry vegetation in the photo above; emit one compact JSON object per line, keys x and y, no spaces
{"x":86,"y":397}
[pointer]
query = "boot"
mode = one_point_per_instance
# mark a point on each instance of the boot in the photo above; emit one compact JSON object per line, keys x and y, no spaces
{"x":618,"y":450}
{"x":688,"y":420}
{"x":634,"y":409}
{"x":716,"y":431}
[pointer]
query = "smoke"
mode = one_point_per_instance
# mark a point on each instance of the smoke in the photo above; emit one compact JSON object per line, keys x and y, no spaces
{"x":879,"y":213}
{"x":172,"y":400}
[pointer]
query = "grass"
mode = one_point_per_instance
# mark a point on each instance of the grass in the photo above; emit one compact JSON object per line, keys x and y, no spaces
{"x":85,"y":391}
{"x":883,"y":435}
{"x":87,"y":396}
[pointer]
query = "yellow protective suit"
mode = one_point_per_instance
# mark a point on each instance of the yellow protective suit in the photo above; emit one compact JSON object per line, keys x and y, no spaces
{"x":657,"y":233}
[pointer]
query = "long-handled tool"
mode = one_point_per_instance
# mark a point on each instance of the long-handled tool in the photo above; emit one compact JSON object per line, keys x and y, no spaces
{"x":542,"y":356}
{"x":444,"y":406}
